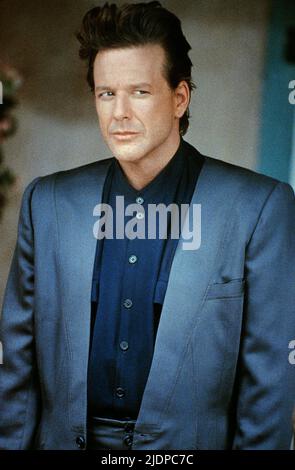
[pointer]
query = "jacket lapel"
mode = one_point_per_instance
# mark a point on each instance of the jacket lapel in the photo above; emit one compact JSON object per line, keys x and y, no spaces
{"x":190,"y":274}
{"x":77,"y":196}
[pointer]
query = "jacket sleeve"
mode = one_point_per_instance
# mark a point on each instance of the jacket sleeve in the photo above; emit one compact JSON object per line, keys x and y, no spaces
{"x":266,"y":376}
{"x":19,"y":389}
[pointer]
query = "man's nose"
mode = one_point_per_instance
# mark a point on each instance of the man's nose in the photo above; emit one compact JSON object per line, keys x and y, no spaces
{"x":122,"y":108}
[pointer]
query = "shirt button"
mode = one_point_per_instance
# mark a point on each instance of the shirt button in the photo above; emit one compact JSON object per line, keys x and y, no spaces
{"x":140,"y":215}
{"x":128,"y":440}
{"x":120,"y":392}
{"x":80,"y":441}
{"x":139,"y":200}
{"x":132,"y":259}
{"x":124,"y":345}
{"x":127,"y":303}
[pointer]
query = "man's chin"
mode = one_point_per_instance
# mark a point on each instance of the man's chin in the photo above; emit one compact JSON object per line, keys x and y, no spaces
{"x":127,"y":153}
{"x":127,"y":158}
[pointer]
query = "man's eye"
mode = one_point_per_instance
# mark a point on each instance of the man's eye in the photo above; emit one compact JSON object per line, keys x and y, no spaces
{"x":105,"y":94}
{"x":141,"y":92}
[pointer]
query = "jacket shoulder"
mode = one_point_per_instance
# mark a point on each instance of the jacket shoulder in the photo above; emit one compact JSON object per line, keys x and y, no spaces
{"x":77,"y":176}
{"x":246,"y":186}
{"x":229,"y":173}
{"x":249,"y":182}
{"x":81,"y":171}
{"x":239,"y":173}
{"x":249,"y":190}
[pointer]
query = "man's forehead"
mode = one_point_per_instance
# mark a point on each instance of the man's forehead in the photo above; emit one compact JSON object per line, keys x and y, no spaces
{"x":129,"y":66}
{"x":130,"y":57}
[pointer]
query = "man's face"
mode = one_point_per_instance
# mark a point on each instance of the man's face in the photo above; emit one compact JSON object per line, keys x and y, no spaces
{"x":135,"y":105}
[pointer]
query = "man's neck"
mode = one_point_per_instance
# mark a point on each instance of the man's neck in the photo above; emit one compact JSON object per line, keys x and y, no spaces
{"x":139,"y":174}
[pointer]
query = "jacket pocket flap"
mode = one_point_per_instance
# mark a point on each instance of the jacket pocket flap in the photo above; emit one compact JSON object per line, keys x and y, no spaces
{"x":234,"y":288}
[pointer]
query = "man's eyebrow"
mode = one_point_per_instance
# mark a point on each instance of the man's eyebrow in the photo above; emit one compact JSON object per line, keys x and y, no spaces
{"x":140,"y":85}
{"x":102,"y":87}
{"x":131,"y":86}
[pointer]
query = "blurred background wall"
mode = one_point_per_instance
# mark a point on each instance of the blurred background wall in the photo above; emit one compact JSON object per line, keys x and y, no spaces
{"x":57,"y":122}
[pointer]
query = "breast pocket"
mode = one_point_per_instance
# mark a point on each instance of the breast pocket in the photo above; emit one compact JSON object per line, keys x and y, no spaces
{"x":225,"y":290}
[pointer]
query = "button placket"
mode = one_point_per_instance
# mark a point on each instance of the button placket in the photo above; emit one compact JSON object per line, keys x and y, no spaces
{"x":120,"y":392}
{"x":139,"y":200}
{"x":126,"y":306}
{"x":132,"y":259}
{"x":140,"y":214}
{"x":127,"y":303}
{"x":124,"y":345}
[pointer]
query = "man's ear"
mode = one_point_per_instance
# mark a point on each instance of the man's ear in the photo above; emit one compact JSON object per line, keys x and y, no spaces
{"x":182,"y":98}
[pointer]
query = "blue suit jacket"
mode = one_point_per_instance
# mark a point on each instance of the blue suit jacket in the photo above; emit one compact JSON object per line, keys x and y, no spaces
{"x":220,"y":376}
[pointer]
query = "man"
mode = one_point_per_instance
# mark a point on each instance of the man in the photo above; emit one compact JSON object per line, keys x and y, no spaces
{"x":134,"y":342}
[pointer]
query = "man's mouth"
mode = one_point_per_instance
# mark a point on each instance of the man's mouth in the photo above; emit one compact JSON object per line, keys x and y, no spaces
{"x":124,"y":135}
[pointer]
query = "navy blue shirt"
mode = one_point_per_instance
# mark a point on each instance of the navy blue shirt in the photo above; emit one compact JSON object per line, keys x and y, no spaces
{"x":129,"y":284}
